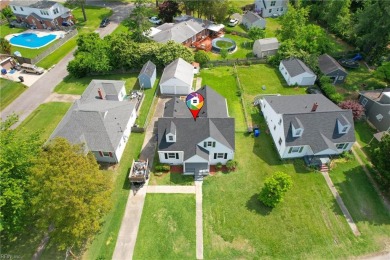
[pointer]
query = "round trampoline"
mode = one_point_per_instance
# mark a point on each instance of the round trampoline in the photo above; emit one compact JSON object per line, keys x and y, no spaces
{"x":223,"y":43}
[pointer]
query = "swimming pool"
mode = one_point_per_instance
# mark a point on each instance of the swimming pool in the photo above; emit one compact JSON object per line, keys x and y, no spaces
{"x":32,"y":40}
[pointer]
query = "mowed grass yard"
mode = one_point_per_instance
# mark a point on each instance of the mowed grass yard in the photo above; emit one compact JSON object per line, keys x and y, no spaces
{"x":167,"y":228}
{"x":9,"y":91}
{"x":308,"y":224}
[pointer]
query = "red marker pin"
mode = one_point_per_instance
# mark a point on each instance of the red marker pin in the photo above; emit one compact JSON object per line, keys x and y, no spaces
{"x":194,"y":102}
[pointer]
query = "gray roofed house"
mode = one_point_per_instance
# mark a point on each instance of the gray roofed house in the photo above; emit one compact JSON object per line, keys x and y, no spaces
{"x":331,"y":68}
{"x":177,"y":78}
{"x":377,"y":107}
{"x":147,"y":76}
{"x":102,"y":119}
{"x":295,"y":71}
{"x":196,"y":144}
{"x":265,"y":47}
{"x":308,"y":125}
{"x":251,"y":19}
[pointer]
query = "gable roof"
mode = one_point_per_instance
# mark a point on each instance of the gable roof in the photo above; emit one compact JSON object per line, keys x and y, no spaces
{"x":296,"y":67}
{"x":99,"y":123}
{"x":34,"y":4}
{"x":320,"y":127}
{"x":179,"y":69}
{"x":328,"y":64}
{"x":251,"y":17}
{"x":109,"y":88}
{"x":148,"y":69}
{"x":179,"y":32}
{"x":267,"y":44}
{"x":214,"y":123}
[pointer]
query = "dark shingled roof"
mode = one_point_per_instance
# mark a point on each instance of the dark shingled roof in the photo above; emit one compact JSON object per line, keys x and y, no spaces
{"x":148,"y":69}
{"x":320,"y":127}
{"x":327,"y":64}
{"x":252,"y":17}
{"x":214,"y":122}
{"x":295,"y":67}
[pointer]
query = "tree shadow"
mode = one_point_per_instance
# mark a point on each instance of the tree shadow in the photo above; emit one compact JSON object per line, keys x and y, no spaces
{"x":126,"y":183}
{"x":255,"y":205}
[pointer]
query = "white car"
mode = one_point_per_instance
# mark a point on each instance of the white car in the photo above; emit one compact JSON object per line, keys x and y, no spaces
{"x":233,"y":22}
{"x":154,"y":20}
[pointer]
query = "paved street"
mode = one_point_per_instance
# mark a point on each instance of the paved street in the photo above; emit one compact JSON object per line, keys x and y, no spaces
{"x":29,"y":100}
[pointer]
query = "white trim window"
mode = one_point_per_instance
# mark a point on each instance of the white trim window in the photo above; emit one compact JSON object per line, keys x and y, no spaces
{"x":295,"y":149}
{"x":364,"y":101}
{"x":342,"y":146}
{"x":379,"y":117}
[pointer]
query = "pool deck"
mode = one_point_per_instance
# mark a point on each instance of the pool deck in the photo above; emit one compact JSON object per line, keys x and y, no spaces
{"x":39,"y":33}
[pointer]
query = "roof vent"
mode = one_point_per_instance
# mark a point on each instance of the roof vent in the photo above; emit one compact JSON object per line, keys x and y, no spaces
{"x":315,"y":105}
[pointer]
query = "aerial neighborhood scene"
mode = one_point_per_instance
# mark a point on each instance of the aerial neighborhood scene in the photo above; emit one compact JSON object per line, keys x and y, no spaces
{"x":189,"y":129}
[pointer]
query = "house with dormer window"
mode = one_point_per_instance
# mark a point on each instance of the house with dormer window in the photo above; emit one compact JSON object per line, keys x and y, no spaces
{"x":303,"y":125}
{"x":196,"y":144}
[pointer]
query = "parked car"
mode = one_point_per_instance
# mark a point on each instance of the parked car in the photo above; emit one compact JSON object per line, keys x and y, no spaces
{"x":154,"y":20}
{"x":105,"y":22}
{"x":233,"y":22}
{"x":313,"y":90}
{"x":30,"y":68}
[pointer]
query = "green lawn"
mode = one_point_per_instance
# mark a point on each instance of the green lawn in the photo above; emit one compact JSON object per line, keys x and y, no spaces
{"x":9,"y":91}
{"x":222,"y":80}
{"x":169,"y":178}
{"x":364,"y":133}
{"x":167,"y":228}
{"x":362,"y":201}
{"x":5,"y":30}
{"x":58,"y":54}
{"x":45,"y":118}
{"x":244,"y":48}
{"x":272,"y":25}
{"x":103,"y":244}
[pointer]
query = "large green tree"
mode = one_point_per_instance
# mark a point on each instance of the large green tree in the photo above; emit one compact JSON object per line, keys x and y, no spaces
{"x":383,"y":72}
{"x":68,"y":193}
{"x":138,"y":21}
{"x":17,"y":153}
{"x":256,"y":33}
{"x":381,"y":161}
{"x":171,"y":51}
{"x":7,"y":13}
{"x":80,"y":3}
{"x":274,"y":189}
{"x":5,"y":46}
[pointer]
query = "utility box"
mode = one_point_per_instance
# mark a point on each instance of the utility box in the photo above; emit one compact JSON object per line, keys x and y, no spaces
{"x":256,"y":132}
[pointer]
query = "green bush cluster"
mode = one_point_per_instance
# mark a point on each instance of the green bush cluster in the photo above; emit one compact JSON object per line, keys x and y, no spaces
{"x":330,"y":90}
{"x":231,"y":165}
{"x":162,"y":167}
{"x":274,"y":189}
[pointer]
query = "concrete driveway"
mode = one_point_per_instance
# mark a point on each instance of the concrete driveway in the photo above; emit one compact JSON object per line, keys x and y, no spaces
{"x":41,"y":89}
{"x":29,"y":79}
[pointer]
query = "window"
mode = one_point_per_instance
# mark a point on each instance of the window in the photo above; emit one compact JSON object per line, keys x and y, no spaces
{"x":298,"y":132}
{"x":270,"y":11}
{"x":274,"y":127}
{"x":220,"y":156}
{"x":264,"y":105}
{"x":281,"y":9}
{"x":295,"y":149}
{"x":21,"y":9}
{"x":41,"y":12}
{"x":14,"y":8}
{"x":280,"y":141}
{"x":342,"y":146}
{"x":379,"y":117}
{"x":170,"y":138}
{"x":341,"y":77}
{"x":345,"y":129}
{"x":207,"y":144}
{"x":364,"y":101}
{"x":55,"y":11}
{"x":280,"y":121}
{"x":173,"y":155}
{"x":273,"y":3}
{"x":106,"y":154}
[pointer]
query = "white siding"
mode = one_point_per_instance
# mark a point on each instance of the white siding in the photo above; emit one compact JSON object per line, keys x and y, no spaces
{"x":126,"y":135}
{"x":304,"y":79}
{"x":175,"y":87}
{"x":279,"y":8}
{"x":172,"y":161}
{"x":304,"y":152}
{"x":29,"y":10}
{"x":219,"y":148}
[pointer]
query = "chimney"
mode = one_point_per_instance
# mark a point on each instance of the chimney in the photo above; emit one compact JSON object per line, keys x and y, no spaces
{"x":315,"y":105}
{"x":100,"y":92}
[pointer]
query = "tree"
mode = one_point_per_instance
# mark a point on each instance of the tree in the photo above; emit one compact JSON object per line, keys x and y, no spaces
{"x":220,"y":10}
{"x":5,"y":46}
{"x":17,"y":154}
{"x":274,"y":189}
{"x":80,"y":3}
{"x":256,"y":33}
{"x":293,"y":23}
{"x":168,"y":10}
{"x":381,"y":161}
{"x":171,"y":50}
{"x":138,"y":21}
{"x":383,"y":72}
{"x":69,"y":193}
{"x":224,"y":53}
{"x":357,"y":109}
{"x":7,"y":12}
{"x":202,"y":57}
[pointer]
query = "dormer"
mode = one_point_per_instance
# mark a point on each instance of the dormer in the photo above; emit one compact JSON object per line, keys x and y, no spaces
{"x":297,"y":128}
{"x":343,"y":125}
{"x":171,"y":133}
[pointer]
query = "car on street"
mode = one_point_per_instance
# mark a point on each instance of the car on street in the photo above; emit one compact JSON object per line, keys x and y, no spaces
{"x":313,"y":90}
{"x":104,"y":22}
{"x":233,"y":22}
{"x":154,"y":20}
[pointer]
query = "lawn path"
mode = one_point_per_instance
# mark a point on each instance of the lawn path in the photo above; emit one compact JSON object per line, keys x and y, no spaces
{"x":366,"y":171}
{"x":199,"y":220}
{"x":341,"y":204}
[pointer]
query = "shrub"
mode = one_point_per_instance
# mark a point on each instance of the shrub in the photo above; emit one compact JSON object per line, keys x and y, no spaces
{"x":347,"y":155}
{"x":218,"y":166}
{"x":231,"y":165}
{"x":357,"y":109}
{"x":274,"y":189}
{"x":201,"y":57}
{"x":330,"y":90}
{"x":162,"y":168}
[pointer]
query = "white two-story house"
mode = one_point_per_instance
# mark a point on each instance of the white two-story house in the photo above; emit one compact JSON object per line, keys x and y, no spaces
{"x":101,"y":119}
{"x":311,"y":125}
{"x":196,"y":144}
{"x":271,"y":8}
{"x":42,"y":14}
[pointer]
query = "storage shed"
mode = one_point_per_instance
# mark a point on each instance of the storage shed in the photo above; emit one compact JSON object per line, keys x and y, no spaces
{"x":147,"y":76}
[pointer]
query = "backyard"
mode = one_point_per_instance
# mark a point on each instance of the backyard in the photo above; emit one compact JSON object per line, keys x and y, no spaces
{"x":9,"y":91}
{"x":167,"y":227}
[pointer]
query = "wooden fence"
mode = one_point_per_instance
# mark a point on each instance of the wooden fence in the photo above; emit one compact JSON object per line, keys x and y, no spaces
{"x":231,"y":62}
{"x":48,"y":51}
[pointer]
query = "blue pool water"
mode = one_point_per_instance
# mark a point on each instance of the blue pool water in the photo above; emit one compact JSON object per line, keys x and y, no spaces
{"x":31,"y":40}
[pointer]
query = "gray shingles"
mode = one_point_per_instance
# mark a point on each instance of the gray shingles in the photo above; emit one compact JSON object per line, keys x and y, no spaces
{"x":179,"y":32}
{"x":252,"y":17}
{"x":179,"y":69}
{"x":148,"y":69}
{"x":296,"y":67}
{"x":328,"y":64}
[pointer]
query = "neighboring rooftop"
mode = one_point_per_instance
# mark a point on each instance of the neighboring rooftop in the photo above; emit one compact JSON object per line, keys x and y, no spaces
{"x":252,"y":17}
{"x":148,"y":69}
{"x":268,"y":44}
{"x":109,"y":88}
{"x":179,"y":69}
{"x":377,"y":94}
{"x":34,"y":4}
{"x":296,"y":67}
{"x":179,"y":32}
{"x":328,"y":64}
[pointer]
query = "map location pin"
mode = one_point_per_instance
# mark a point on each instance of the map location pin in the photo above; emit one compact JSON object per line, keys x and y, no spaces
{"x":194,"y":102}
